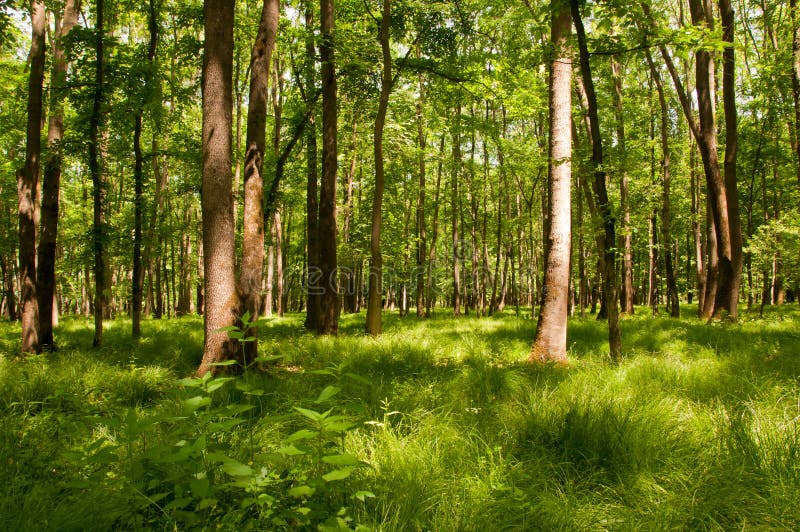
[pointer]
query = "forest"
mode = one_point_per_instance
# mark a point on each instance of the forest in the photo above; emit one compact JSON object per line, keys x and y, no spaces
{"x":399,"y":265}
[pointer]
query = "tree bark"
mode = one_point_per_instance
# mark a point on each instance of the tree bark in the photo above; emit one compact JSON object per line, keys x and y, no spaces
{"x":421,"y":234}
{"x":731,"y":290}
{"x":672,"y":288}
{"x":312,"y":184}
{"x":550,"y":343}
{"x":329,"y":298}
{"x":454,"y":208}
{"x":138,"y":180}
{"x":28,"y":185}
{"x":599,"y":185}
{"x":51,"y":184}
{"x":222,"y":299}
{"x":98,"y":179}
{"x":796,"y":79}
{"x":373,"y":324}
{"x":252,"y":269}
{"x":627,"y":252}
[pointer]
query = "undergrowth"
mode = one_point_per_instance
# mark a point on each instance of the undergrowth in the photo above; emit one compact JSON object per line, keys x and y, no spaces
{"x":439,"y":424}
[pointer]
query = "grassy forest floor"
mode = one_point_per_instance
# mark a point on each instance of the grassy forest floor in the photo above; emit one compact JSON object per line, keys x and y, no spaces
{"x":437,"y":425}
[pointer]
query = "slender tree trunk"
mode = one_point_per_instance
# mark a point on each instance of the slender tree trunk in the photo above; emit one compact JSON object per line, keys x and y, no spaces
{"x":28,"y":184}
{"x":421,"y":235}
{"x":796,"y":79}
{"x":550,"y":343}
{"x":222,"y":300}
{"x":312,"y":185}
{"x":429,"y":298}
{"x":138,"y":179}
{"x":252,"y":270}
{"x":672,"y":287}
{"x":731,"y":304}
{"x":374,"y":325}
{"x":98,"y":179}
{"x":599,"y":185}
{"x":51,"y":185}
{"x":454,"y":208}
{"x":627,"y":266}
{"x":700,"y":272}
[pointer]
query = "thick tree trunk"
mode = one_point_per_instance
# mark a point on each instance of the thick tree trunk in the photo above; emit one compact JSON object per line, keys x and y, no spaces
{"x":373,"y":324}
{"x":599,"y":185}
{"x":28,"y":184}
{"x":550,"y":343}
{"x":252,"y":270}
{"x":329,"y":298}
{"x":222,"y":299}
{"x":51,"y":184}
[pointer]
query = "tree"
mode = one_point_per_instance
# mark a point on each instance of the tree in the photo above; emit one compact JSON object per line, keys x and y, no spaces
{"x":252,"y":269}
{"x":329,"y":296}
{"x":98,"y":180}
{"x":599,"y":185}
{"x":28,"y":185}
{"x":550,"y":343}
{"x":221,"y":297}
{"x":374,"y":306}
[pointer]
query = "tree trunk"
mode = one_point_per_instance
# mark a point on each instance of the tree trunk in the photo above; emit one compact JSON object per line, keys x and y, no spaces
{"x":421,"y":235}
{"x":731,"y":304}
{"x":312,"y":185}
{"x":329,"y":298}
{"x":455,"y":250}
{"x":252,"y":270}
{"x":796,"y":79}
{"x":51,"y":185}
{"x":627,"y":266}
{"x":599,"y":185}
{"x":373,"y":324}
{"x":672,"y":288}
{"x":222,"y":300}
{"x":550,"y":343}
{"x":28,"y":184}
{"x":429,"y":297}
{"x":98,"y":180}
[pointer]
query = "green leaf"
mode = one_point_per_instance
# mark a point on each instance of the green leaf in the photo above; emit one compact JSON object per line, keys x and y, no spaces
{"x":338,"y":474}
{"x":200,"y":486}
{"x":290,"y":450}
{"x":227,"y":328}
{"x":206,"y":503}
{"x":246,"y":317}
{"x":327,"y":393}
{"x":342,"y":460}
{"x":361,"y":495}
{"x":301,"y":491}
{"x":310,"y":414}
{"x":219,"y":382}
{"x":302,"y":434}
{"x":196,"y":402}
{"x":236,"y":469}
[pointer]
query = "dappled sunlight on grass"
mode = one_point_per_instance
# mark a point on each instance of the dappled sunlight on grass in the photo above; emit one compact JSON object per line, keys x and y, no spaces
{"x":697,"y":426}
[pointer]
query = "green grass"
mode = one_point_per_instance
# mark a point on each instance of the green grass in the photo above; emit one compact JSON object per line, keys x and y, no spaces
{"x":697,"y":427}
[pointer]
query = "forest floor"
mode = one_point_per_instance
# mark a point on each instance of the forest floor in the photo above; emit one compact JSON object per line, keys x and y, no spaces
{"x":439,"y":424}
